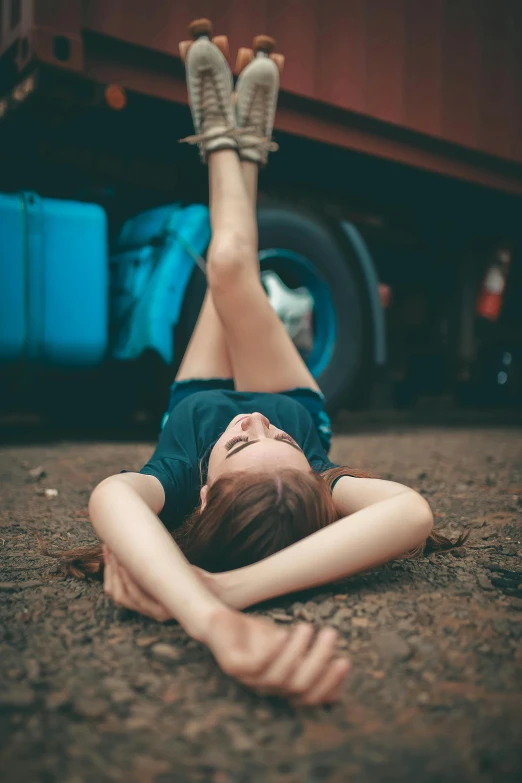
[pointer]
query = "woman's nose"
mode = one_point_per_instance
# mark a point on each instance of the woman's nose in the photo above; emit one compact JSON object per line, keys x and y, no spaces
{"x":255,"y":423}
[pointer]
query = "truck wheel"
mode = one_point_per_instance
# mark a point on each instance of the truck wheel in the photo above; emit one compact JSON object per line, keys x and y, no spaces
{"x":311,"y":282}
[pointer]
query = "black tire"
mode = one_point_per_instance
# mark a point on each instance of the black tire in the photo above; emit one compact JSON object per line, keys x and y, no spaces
{"x":308,"y":236}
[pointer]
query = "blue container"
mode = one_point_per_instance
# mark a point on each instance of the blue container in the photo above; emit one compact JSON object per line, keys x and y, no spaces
{"x":53,"y":281}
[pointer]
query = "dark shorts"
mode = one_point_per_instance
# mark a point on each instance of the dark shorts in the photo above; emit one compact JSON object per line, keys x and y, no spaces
{"x":310,"y":399}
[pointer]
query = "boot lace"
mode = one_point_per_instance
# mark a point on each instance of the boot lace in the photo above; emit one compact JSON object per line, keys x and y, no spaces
{"x":254,"y":135}
{"x":213,"y":119}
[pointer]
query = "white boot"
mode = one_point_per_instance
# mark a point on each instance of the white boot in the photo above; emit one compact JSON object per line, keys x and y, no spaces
{"x":257,"y":89}
{"x":210,"y":85}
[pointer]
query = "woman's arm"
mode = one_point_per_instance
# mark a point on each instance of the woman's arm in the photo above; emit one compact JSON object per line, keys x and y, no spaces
{"x":353,"y":494}
{"x":123,"y":511}
{"x":371,"y":535}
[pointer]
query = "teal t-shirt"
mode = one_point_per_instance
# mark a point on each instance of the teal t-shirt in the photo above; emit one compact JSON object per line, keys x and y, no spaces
{"x":194,"y":426}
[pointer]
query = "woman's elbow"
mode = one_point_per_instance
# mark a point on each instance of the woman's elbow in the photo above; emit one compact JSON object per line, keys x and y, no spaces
{"x":99,"y":491}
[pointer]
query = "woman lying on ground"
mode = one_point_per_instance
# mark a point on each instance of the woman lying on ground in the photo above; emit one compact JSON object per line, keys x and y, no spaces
{"x":240,"y":474}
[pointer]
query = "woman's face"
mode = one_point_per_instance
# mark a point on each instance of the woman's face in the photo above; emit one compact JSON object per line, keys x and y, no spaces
{"x":250,"y":442}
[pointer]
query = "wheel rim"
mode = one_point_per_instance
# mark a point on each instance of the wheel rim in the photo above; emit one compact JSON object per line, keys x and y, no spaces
{"x":296,"y":272}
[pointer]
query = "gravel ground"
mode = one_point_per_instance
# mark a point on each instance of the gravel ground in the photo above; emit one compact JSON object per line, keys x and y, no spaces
{"x":89,"y":692}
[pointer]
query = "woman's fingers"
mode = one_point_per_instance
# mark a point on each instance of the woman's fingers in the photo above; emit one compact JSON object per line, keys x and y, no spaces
{"x":117,"y":588}
{"x":327,"y":688}
{"x":140,"y":601}
{"x":124,"y":591}
{"x":133,"y":599}
{"x":113,"y":583}
{"x":108,"y":575}
{"x":309,"y":674}
{"x":315,"y":664}
{"x":278,"y":672}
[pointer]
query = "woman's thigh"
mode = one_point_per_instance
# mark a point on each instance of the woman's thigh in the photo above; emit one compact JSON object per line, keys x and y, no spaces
{"x":262,"y":355}
{"x":207,"y":354}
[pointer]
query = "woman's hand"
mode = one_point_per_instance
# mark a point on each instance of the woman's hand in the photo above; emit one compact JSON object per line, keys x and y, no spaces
{"x":277,"y":661}
{"x":262,"y":656}
{"x":125,"y":592}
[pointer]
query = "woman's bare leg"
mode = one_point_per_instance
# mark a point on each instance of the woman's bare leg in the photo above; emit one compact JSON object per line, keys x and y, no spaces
{"x":207,"y":355}
{"x":250,"y":173}
{"x":262,"y":354}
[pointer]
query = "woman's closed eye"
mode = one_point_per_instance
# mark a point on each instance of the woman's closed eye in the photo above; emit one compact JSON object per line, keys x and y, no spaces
{"x":284,"y":436}
{"x":236,"y":439}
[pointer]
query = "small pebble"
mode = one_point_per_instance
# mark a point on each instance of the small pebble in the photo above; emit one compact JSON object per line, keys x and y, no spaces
{"x":281,"y":617}
{"x":37,"y":473}
{"x":392,"y":647}
{"x":33,"y":669}
{"x":120,"y":693}
{"x":165,"y":652}
{"x":114,"y":683}
{"x":136,"y":723}
{"x":57,"y":699}
{"x":123,"y":696}
{"x":484,"y":582}
{"x":302,"y":613}
{"x":341,"y":615}
{"x":146,"y":641}
{"x":90,"y":706}
{"x":459,"y":552}
{"x":360,"y":622}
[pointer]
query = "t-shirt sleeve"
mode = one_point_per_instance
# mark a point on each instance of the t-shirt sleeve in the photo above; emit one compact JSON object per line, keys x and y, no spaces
{"x":322,"y":465}
{"x":175,"y":477}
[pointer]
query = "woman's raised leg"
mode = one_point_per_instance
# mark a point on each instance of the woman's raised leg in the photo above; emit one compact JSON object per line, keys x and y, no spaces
{"x":263,"y":356}
{"x":207,"y":354}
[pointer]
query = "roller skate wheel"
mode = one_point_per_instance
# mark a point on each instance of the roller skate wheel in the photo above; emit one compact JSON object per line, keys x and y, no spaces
{"x":279,"y":60}
{"x":264,"y":43}
{"x":244,"y":58}
{"x":200,"y":27}
{"x":221,"y":41}
{"x":183,"y":49}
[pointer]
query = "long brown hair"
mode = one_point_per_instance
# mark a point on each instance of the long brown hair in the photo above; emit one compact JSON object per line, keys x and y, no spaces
{"x":249,"y":516}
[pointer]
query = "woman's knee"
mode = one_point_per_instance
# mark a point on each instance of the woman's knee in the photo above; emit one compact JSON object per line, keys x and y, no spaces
{"x":230,"y":258}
